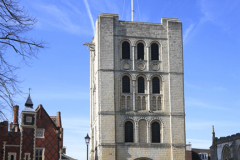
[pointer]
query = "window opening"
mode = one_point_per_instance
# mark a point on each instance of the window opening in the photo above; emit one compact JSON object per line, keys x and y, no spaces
{"x":125,"y":50}
{"x":140,"y":51}
{"x":154,"y":51}
{"x":155,"y":85}
{"x":143,"y":103}
{"x":155,"y":132}
{"x":128,"y":103}
{"x":140,"y":85}
{"x":125,"y":84}
{"x":39,"y":153}
{"x":128,"y":131}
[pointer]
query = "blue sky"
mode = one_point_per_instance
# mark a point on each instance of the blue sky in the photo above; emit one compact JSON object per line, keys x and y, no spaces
{"x":59,"y":78}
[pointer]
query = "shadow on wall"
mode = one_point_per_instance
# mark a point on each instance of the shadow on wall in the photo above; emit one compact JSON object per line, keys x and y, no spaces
{"x":96,"y":154}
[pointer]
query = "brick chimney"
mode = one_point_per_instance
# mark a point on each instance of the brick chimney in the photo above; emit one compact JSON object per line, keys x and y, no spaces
{"x":15,"y":118}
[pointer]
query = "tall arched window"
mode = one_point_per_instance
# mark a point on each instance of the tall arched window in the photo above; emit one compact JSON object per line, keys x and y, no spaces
{"x":128,"y":131}
{"x":155,"y":132}
{"x":154,"y":52}
{"x":125,"y":50}
{"x":155,"y":85}
{"x":125,"y":84}
{"x":226,"y":153}
{"x":140,"y":85}
{"x":140,"y":51}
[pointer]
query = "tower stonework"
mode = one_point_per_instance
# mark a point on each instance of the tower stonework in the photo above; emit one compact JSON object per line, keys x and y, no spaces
{"x":136,"y":90}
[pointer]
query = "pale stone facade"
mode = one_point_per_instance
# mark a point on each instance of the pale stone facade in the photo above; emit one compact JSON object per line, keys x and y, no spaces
{"x":225,"y":148}
{"x":111,"y":108}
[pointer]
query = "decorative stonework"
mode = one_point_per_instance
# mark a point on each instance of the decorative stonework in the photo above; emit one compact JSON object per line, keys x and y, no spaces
{"x":155,"y":66}
{"x":126,"y":65}
{"x":141,"y":66}
{"x":136,"y":119}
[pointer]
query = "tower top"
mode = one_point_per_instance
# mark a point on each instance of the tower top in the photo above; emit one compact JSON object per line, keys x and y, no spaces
{"x":29,"y":105}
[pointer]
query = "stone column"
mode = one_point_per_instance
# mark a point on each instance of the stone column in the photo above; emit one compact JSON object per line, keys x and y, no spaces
{"x":125,"y":102}
{"x":148,"y":132}
{"x":148,"y":57}
{"x":134,"y":95}
{"x":133,"y":58}
{"x":136,"y":139}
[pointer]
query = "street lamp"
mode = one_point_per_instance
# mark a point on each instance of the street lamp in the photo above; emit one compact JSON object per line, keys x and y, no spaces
{"x":87,"y":140}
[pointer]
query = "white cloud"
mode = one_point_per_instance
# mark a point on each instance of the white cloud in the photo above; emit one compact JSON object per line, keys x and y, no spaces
{"x":187,"y":32}
{"x":62,"y":16}
{"x":90,"y":15}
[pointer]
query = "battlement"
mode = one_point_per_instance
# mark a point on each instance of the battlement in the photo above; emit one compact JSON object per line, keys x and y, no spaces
{"x":227,"y":139}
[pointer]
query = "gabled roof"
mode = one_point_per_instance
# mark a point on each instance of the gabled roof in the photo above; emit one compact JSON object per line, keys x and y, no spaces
{"x":40,"y":107}
{"x":54,"y":119}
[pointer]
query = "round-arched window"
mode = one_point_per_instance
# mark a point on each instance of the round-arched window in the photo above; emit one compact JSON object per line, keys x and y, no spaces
{"x":154,"y":52}
{"x":126,"y":84}
{"x":155,"y":85}
{"x":128,"y":131}
{"x":155,"y":132}
{"x":140,"y":85}
{"x":125,"y":50}
{"x":140,"y":51}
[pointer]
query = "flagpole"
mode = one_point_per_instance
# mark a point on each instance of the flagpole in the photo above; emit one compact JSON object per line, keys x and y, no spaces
{"x":132,"y":10}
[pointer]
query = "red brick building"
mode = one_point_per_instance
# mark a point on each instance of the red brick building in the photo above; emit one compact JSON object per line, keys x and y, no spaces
{"x":197,"y":154}
{"x":39,"y":136}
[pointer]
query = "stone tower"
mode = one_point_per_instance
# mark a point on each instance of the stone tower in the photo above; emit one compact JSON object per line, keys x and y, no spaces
{"x":137,"y":92}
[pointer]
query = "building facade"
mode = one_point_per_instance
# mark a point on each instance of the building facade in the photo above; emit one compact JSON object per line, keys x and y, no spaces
{"x":136,"y":84}
{"x":225,"y":148}
{"x":197,"y":153}
{"x":38,"y":137}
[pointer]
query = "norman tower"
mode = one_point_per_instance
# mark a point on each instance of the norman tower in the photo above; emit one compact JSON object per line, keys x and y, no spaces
{"x":137,"y":98}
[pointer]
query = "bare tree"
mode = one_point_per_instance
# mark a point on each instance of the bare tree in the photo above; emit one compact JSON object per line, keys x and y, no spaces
{"x":15,"y":22}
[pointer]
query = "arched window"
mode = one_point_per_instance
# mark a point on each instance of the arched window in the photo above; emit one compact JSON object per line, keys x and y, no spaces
{"x":139,"y":103}
{"x":125,"y":84}
{"x":154,"y":52}
{"x":154,"y":104}
{"x":140,"y":85}
{"x":128,"y":103}
{"x":122,"y":103}
{"x":140,"y":51}
{"x":142,"y":129}
{"x":128,"y":131}
{"x":125,"y":50}
{"x":226,"y":153}
{"x":155,"y":132}
{"x":159,"y":103}
{"x":155,"y":85}
{"x":143,"y":103}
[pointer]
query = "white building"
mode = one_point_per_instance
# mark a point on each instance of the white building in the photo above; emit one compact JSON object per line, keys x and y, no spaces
{"x":137,"y":97}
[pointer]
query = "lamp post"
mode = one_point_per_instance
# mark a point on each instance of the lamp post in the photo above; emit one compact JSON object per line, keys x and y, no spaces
{"x":87,"y":140}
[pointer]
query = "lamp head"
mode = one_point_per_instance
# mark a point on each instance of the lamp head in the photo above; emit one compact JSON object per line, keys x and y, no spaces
{"x":87,"y":139}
